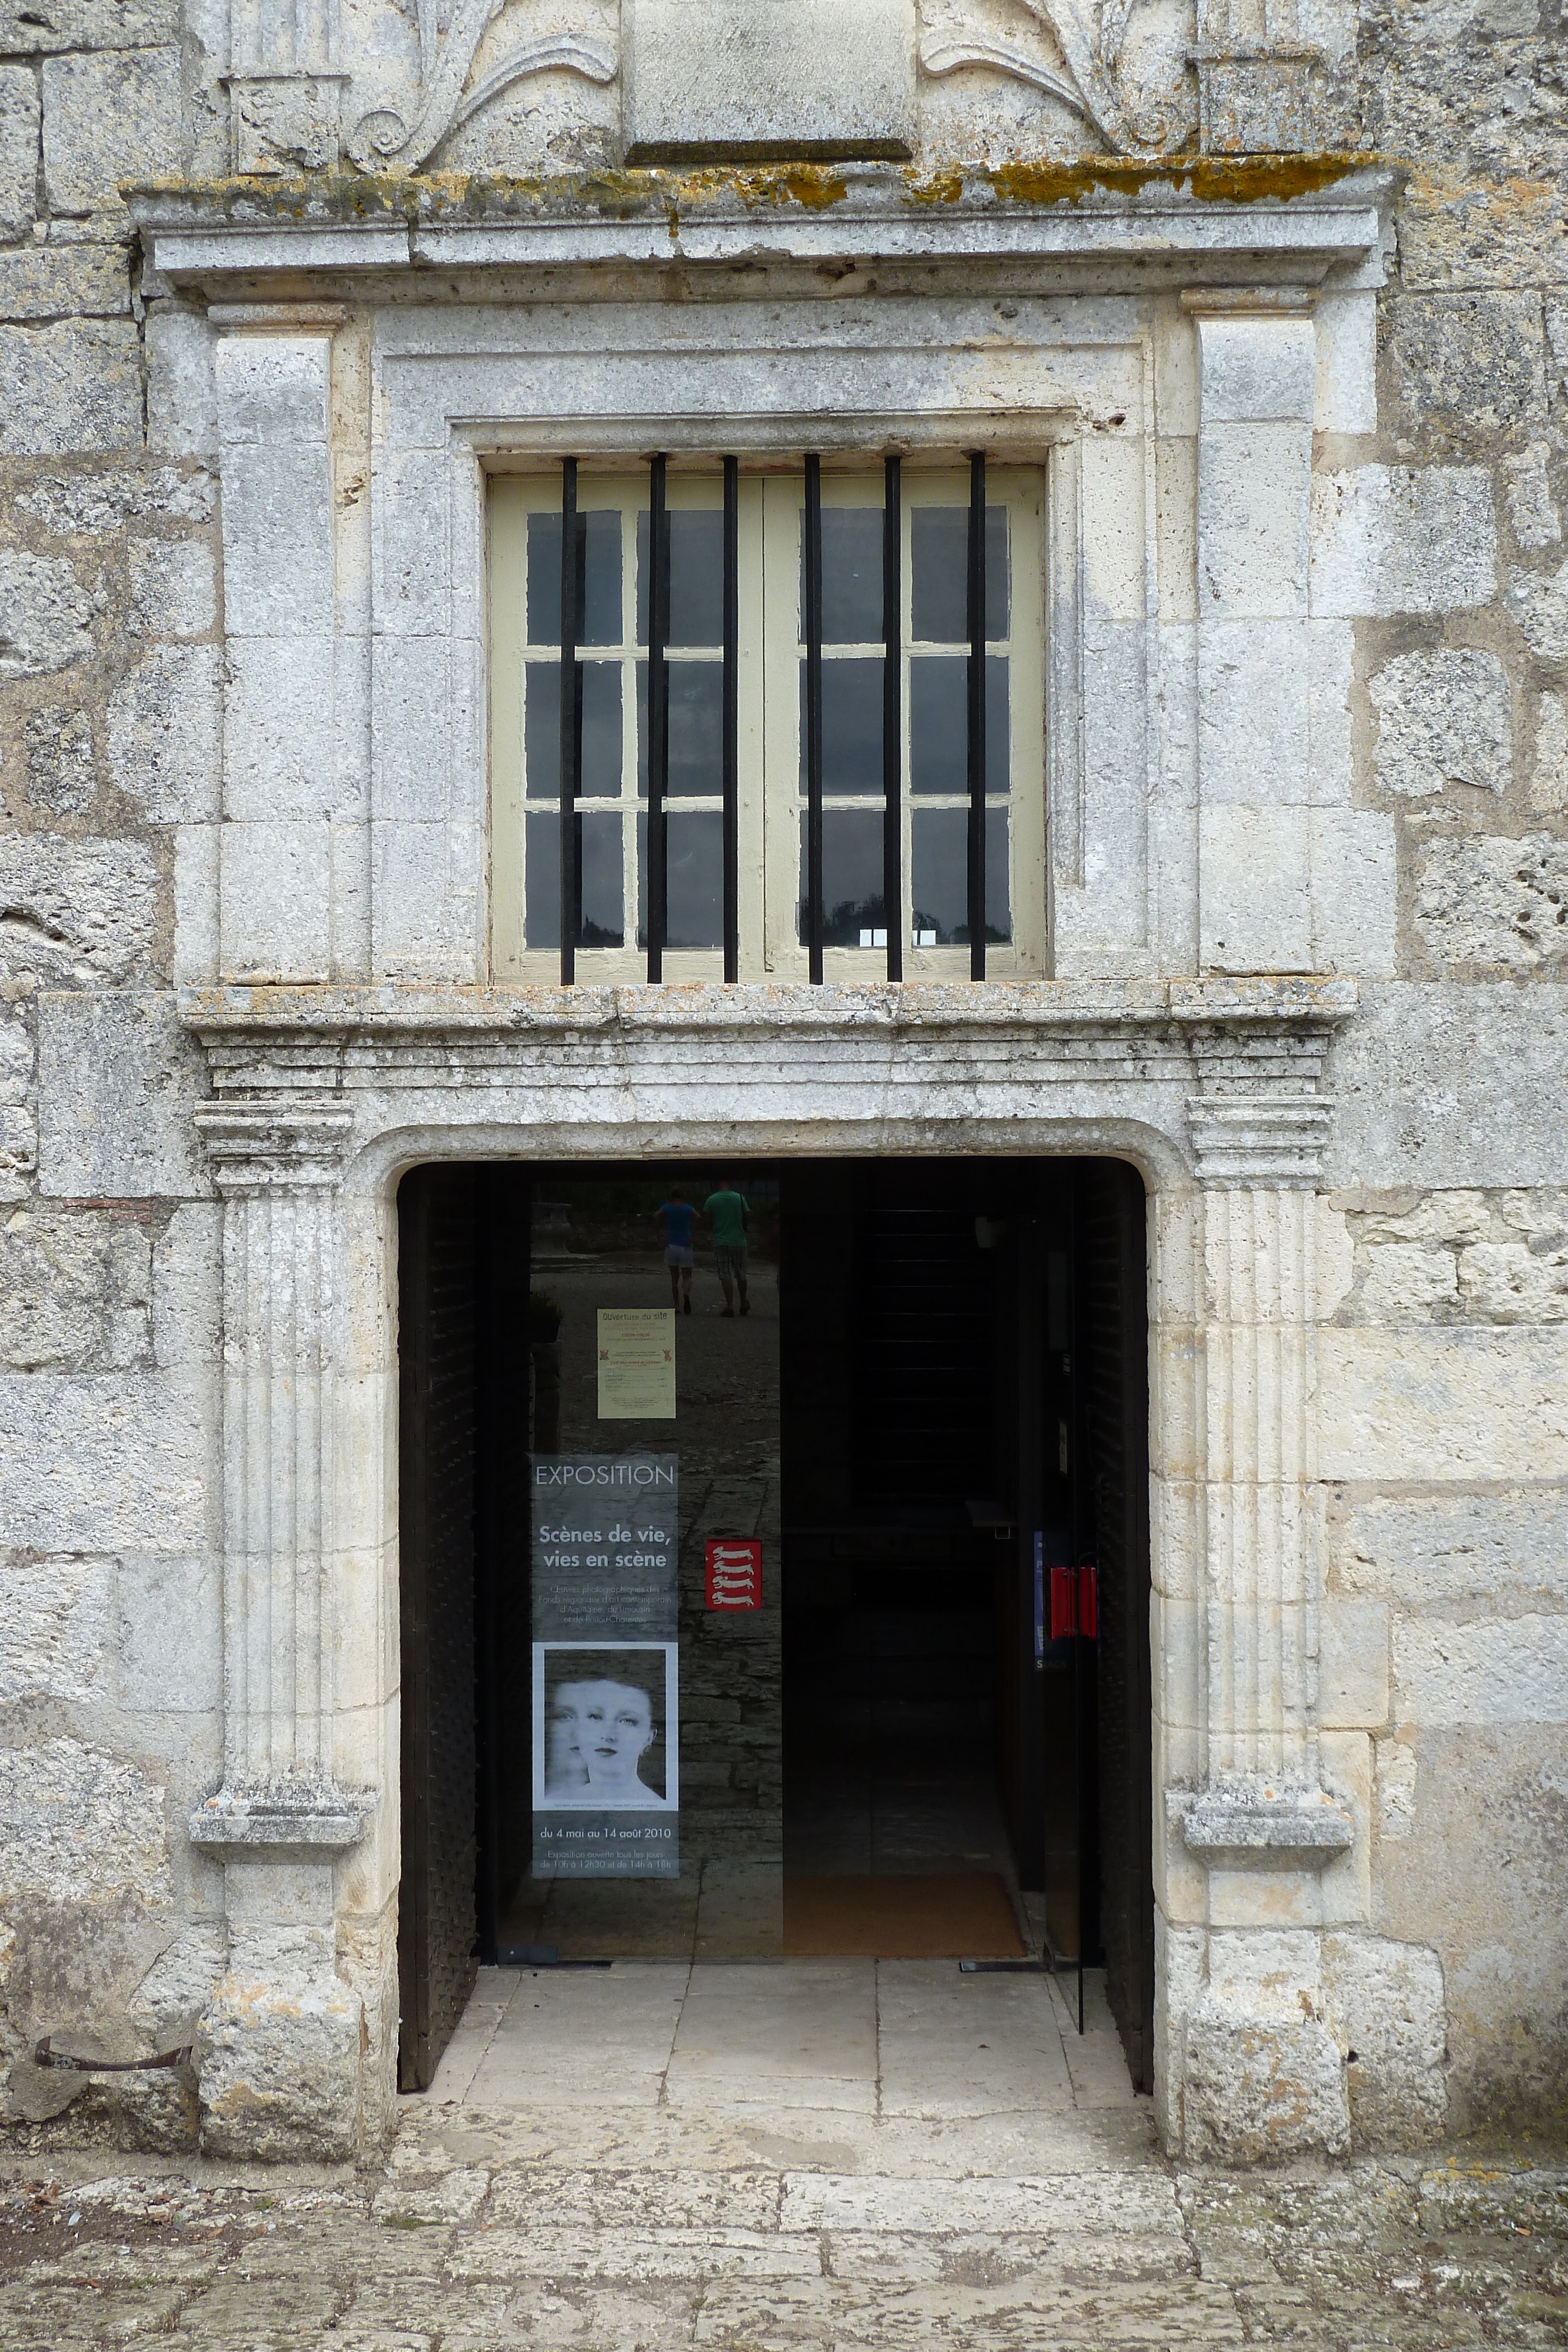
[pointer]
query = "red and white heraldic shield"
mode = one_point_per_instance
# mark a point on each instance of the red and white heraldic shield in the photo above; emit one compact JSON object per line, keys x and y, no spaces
{"x":734,"y":1573}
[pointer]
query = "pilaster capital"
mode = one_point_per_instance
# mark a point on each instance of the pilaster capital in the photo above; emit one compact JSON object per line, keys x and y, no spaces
{"x":294,"y":1143}
{"x":1272,"y":1140}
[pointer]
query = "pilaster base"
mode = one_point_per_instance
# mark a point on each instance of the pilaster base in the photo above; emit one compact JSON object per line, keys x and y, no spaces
{"x":280,"y":2052}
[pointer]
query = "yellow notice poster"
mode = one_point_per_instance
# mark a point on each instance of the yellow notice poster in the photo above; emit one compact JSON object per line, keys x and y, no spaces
{"x":636,"y":1363}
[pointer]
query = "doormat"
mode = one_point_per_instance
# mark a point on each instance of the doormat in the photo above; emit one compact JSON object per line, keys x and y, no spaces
{"x":948,"y":1915}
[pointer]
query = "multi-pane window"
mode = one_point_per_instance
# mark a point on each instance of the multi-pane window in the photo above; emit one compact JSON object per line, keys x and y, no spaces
{"x":911,"y":816}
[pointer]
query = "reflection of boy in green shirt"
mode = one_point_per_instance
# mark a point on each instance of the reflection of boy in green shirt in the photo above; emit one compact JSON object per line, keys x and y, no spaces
{"x":727,"y":1212}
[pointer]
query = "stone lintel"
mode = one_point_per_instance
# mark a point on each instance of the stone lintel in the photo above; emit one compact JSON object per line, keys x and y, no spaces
{"x":1268,"y":1827}
{"x":1290,"y":1008}
{"x":316,"y":1820}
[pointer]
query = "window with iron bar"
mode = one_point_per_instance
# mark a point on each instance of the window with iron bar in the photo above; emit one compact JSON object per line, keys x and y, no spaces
{"x":796,"y":716}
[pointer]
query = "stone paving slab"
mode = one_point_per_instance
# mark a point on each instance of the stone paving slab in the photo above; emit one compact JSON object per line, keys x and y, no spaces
{"x":649,"y":2216}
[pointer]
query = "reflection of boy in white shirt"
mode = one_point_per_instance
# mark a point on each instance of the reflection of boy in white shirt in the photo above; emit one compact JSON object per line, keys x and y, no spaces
{"x":599,"y":1734}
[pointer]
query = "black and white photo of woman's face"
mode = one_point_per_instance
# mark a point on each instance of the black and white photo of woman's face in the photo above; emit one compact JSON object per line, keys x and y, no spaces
{"x":599,"y":1732}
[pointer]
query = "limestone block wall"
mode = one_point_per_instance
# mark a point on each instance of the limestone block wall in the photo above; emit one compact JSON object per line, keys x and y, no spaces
{"x":1364,"y":704}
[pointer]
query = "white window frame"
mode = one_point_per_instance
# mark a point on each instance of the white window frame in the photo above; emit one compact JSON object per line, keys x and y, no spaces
{"x":770,"y":799}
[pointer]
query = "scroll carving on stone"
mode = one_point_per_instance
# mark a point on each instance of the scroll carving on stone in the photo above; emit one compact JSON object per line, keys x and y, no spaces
{"x":1089,"y":36}
{"x":448,"y":96}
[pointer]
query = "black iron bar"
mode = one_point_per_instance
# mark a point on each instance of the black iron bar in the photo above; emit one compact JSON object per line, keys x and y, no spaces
{"x":731,"y":719}
{"x":658,"y":714}
{"x":571,"y":596}
{"x":813,"y":618}
{"x":893,"y":714}
{"x":977,"y":621}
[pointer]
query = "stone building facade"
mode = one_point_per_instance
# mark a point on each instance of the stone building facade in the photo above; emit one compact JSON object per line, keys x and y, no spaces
{"x":1274,"y":301}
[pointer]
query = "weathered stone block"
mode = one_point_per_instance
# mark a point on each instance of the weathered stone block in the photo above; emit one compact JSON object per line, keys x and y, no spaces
{"x":173,"y":587}
{"x":701,"y":80}
{"x":1532,"y":509}
{"x":168,"y":1635}
{"x":98,"y":503}
{"x":1539,"y":603}
{"x":1354,"y":1665}
{"x":1402,"y":538}
{"x":277,"y":543}
{"x":1397,"y":1780}
{"x":1253,"y":712}
{"x":187,"y":1265}
{"x":51,"y":281}
{"x":45,"y":614}
{"x":108,"y":116}
{"x":105,"y":1462}
{"x":77,"y":1821}
{"x":1456,"y":1403}
{"x":1515,"y":1282}
{"x":1385,"y":2003}
{"x":1255,"y":890}
{"x":1471,"y":364}
{"x":1431,"y":1552}
{"x":1262,"y":2090}
{"x":1355,"y":882}
{"x":75,"y":1292}
{"x":164,"y":734}
{"x":58,"y":746}
{"x":1442,"y":719}
{"x":1401,"y":1282}
{"x":1495,"y":901}
{"x":27,"y":31}
{"x":75,"y":910}
{"x":1549,"y":783}
{"x":279,"y":742}
{"x":74,"y":385}
{"x":18,"y":149}
{"x":117,"y":1078}
{"x":276,"y":898}
{"x":279,"y":2051}
{"x":1252,"y":518}
{"x":1512,"y":1672}
{"x":181,"y":392}
{"x":54,"y":1626}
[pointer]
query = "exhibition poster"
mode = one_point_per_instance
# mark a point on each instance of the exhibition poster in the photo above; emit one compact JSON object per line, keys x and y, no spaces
{"x":606,"y":1699}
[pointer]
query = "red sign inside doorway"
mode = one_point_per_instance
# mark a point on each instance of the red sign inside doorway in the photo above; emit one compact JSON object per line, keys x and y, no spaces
{"x":734,"y":1573}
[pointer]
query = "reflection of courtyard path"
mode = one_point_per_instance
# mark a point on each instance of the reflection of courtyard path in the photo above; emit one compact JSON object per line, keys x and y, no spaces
{"x":728,"y":1897}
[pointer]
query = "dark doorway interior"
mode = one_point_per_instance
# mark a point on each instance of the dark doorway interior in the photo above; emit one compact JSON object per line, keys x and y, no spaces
{"x":962,"y":1405}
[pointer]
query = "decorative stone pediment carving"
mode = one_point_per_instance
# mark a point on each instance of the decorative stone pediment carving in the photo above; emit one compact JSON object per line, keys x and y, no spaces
{"x":1069,"y":49}
{"x":455,"y":82}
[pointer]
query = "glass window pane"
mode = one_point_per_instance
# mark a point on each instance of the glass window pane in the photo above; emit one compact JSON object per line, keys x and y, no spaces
{"x":600,"y":527}
{"x":695,"y":871}
{"x":939,"y":723}
{"x":696,"y":729}
{"x":939,"y":557}
{"x":598,"y":850}
{"x":851,"y":727}
{"x":851,"y":876}
{"x":600,"y":778}
{"x":851,"y":575}
{"x":541,"y":732}
{"x":940,"y":878}
{"x":696,"y":577}
{"x":541,"y":879}
{"x":694,"y":879}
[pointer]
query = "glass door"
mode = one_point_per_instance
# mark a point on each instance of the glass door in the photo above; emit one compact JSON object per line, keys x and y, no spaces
{"x":655,"y":1778}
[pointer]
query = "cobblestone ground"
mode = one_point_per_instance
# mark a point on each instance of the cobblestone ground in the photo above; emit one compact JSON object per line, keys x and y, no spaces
{"x":545,"y":2195}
